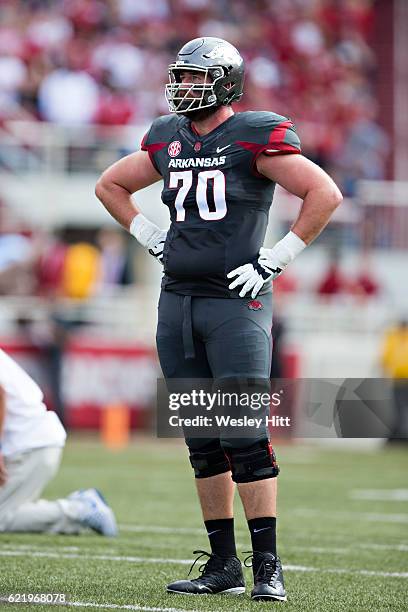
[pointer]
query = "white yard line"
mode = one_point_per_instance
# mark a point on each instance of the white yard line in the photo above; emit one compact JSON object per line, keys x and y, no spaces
{"x":380,"y":517}
{"x":158,"y":529}
{"x":40,"y":548}
{"x":338,"y":570}
{"x":344,"y":550}
{"x":91,"y":604}
{"x":392,"y":495}
{"x":375,"y":517}
{"x":241,"y":531}
{"x":348,"y":550}
{"x":56,"y":555}
{"x":397,"y":547}
{"x":128,"y":559}
{"x":88,"y":604}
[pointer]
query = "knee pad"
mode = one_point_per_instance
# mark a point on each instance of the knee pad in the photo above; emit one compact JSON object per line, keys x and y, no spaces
{"x":255,"y":462}
{"x":208,"y":460}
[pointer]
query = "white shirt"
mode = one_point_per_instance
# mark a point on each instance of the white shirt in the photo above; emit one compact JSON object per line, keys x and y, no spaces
{"x":68,"y":97}
{"x":27,"y":422}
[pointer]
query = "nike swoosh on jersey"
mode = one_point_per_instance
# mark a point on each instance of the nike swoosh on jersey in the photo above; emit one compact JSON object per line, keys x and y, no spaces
{"x":219,"y":149}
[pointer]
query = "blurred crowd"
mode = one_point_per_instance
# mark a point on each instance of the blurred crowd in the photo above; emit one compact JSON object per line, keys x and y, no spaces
{"x":81,"y":263}
{"x":71,"y":262}
{"x":105,"y":62}
{"x":333,"y":282}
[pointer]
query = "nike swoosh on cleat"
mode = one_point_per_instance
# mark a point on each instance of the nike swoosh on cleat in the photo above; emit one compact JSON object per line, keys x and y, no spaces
{"x":219,"y":149}
{"x":258,"y":530}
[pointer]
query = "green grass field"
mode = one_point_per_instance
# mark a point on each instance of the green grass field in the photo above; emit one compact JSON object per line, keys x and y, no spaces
{"x":340,"y":553}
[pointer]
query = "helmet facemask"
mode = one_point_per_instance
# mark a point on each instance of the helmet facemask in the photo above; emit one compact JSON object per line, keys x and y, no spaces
{"x":184,"y":98}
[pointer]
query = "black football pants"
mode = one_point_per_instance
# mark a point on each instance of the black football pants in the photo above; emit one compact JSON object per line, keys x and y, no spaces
{"x":214,"y":338}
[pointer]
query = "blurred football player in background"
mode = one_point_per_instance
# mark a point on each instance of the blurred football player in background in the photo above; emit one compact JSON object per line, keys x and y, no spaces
{"x":31,"y":444}
{"x":219,"y":171}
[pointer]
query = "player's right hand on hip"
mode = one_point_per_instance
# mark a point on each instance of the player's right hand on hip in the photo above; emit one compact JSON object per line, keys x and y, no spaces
{"x":149,"y":235}
{"x":158,"y":246}
{"x":250,"y":277}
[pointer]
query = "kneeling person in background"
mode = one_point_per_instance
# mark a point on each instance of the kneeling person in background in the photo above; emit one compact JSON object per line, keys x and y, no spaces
{"x":31,"y":444}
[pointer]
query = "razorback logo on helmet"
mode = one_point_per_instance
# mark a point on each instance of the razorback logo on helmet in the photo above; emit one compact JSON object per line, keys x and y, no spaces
{"x":174,"y":148}
{"x":223,"y":52}
{"x":255,"y":305}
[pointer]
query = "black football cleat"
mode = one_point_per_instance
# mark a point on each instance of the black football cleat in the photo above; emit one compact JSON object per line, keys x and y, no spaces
{"x":268,"y":577}
{"x":218,"y":575}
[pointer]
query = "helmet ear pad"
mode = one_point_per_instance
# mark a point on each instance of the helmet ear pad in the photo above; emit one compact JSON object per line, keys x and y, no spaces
{"x":226,"y":91}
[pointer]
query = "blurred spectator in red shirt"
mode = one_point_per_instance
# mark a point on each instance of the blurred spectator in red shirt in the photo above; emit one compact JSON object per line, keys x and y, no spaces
{"x":115,"y":106}
{"x":365,"y":285}
{"x":332,"y":282}
{"x":51,"y":266}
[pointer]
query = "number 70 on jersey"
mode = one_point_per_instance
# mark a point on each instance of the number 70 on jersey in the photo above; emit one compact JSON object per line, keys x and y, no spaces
{"x":215,"y":177}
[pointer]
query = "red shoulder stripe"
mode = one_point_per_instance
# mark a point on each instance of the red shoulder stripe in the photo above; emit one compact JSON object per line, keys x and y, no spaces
{"x":152,"y":149}
{"x":277,"y":136}
{"x":275,"y":141}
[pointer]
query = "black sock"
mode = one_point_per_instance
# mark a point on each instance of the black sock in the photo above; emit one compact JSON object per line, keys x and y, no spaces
{"x":263,"y":534}
{"x":221,"y":535}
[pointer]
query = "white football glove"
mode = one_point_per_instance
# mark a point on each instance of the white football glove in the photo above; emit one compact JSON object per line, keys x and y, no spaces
{"x":149,"y":235}
{"x":248,"y":276}
{"x":270,"y":263}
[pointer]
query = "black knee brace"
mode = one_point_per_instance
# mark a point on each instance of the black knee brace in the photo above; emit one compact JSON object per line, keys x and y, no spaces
{"x":256,"y":462}
{"x":208,"y":460}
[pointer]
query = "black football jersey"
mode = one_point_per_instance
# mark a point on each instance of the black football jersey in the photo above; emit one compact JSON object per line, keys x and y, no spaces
{"x":218,"y":202}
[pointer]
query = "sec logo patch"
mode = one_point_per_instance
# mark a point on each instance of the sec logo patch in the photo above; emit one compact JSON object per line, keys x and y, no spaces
{"x":174,"y":148}
{"x":255,"y":305}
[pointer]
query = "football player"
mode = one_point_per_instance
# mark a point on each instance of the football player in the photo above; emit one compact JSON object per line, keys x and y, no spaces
{"x":219,"y":170}
{"x":32,"y":439}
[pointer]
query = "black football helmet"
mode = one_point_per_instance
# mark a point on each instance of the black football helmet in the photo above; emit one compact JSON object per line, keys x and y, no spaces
{"x":223,"y":70}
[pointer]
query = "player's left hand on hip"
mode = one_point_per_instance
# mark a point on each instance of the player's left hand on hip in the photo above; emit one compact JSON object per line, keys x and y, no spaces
{"x":251,"y":279}
{"x":273,"y":261}
{"x":270,"y":263}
